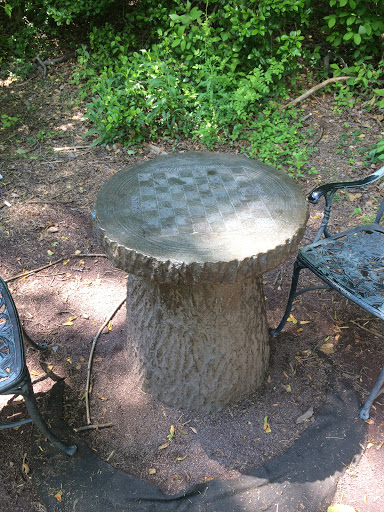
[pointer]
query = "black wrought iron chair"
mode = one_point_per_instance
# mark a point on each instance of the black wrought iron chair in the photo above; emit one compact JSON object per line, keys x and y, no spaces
{"x":14,"y":375}
{"x":351,"y":262}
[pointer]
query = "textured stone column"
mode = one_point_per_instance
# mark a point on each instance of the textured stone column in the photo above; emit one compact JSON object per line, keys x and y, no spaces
{"x":198,"y":347}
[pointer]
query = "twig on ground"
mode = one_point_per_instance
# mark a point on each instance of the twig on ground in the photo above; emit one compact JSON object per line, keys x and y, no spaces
{"x":316,"y":88}
{"x":375,"y":333}
{"x":26,"y":274}
{"x":93,"y":427}
{"x":68,"y":148}
{"x":278,"y":276}
{"x":30,"y":272}
{"x":90,"y":360}
{"x":319,"y":137}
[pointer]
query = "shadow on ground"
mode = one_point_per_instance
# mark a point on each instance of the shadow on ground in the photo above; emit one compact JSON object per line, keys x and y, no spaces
{"x":303,"y":478}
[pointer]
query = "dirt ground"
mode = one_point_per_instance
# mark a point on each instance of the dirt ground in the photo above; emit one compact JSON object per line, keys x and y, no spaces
{"x":50,"y":180}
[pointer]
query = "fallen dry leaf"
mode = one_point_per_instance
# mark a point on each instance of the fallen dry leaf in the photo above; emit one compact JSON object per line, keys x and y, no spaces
{"x":328,"y":348}
{"x":266,"y":427}
{"x":163,"y":446}
{"x":151,"y":471}
{"x":292,"y":319}
{"x":306,"y":416}
{"x":341,"y":508}
{"x":171,"y":434}
{"x":353,"y":197}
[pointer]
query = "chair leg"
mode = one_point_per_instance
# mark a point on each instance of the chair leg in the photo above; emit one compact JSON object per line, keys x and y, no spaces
{"x":292,"y":294}
{"x":26,"y":390}
{"x":378,"y":388}
{"x":41,"y":347}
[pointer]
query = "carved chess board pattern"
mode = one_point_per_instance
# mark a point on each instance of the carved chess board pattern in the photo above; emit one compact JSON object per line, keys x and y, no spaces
{"x":201,"y":200}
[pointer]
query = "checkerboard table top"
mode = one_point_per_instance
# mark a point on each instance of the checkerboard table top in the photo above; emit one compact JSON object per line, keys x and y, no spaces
{"x":198,"y":209}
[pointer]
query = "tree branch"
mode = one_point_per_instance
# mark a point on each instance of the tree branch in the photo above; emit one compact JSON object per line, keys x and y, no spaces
{"x":316,"y":88}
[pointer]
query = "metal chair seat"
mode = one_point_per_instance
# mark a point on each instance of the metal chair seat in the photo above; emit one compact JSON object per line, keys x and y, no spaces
{"x":14,"y":374}
{"x":351,"y":262}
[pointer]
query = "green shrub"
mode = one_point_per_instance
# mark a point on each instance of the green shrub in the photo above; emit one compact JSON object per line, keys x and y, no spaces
{"x":356,"y":25}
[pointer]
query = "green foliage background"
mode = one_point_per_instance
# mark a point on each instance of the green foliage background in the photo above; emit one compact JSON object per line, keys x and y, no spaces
{"x":215,"y":70}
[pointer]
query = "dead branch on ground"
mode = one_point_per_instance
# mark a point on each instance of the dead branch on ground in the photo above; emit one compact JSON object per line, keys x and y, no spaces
{"x":316,"y":88}
{"x":96,"y":426}
{"x":51,"y":264}
{"x":51,"y":62}
{"x":90,"y":360}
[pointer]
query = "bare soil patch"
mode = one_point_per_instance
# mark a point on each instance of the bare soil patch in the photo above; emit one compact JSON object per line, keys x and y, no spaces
{"x":51,"y":193}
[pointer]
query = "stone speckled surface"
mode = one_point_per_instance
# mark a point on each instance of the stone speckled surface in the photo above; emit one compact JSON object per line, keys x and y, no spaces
{"x":199,"y":217}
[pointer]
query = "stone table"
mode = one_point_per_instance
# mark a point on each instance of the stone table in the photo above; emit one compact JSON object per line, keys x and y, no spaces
{"x":195,"y":231}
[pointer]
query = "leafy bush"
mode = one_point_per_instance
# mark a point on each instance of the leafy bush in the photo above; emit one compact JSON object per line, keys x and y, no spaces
{"x":197,"y":76}
{"x":27,"y":24}
{"x":357,"y":25}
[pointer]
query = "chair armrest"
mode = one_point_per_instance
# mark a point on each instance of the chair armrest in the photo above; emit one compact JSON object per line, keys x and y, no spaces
{"x":330,"y":188}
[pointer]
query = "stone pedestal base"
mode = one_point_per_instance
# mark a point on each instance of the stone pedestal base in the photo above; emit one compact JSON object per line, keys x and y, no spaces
{"x":199,"y":347}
